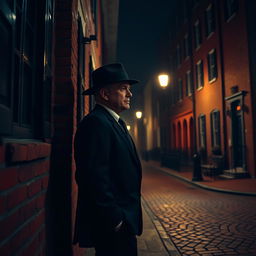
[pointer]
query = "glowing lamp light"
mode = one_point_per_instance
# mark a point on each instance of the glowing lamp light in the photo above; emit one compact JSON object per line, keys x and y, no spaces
{"x":238,"y":108}
{"x":128,"y":127}
{"x":163,"y":80}
{"x":139,"y":114}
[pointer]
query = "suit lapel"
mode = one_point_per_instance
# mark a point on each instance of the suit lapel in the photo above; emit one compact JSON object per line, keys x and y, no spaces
{"x":129,"y":142}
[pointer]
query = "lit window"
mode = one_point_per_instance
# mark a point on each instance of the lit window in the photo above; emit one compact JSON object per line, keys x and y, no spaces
{"x":202,"y":131}
{"x":199,"y":74}
{"x":215,"y":129}
{"x":188,"y":83}
{"x":212,"y":65}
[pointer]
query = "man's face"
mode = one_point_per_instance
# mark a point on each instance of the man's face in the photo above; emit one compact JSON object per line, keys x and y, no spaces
{"x":119,"y":96}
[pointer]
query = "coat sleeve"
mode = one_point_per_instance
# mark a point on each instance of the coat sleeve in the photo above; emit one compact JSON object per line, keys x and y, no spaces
{"x":92,"y":153}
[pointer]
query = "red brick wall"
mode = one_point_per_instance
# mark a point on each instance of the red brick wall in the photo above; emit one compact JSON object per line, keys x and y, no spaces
{"x":24,"y":176}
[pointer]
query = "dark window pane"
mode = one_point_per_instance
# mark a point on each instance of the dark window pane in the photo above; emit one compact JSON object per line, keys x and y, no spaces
{"x":19,"y":3}
{"x":16,"y":91}
{"x":231,"y":7}
{"x":210,"y":20}
{"x":29,"y":44}
{"x":18,"y":30}
{"x":11,"y":4}
{"x":27,"y":95}
{"x":31,"y":12}
{"x":197,"y":34}
{"x":5,"y":61}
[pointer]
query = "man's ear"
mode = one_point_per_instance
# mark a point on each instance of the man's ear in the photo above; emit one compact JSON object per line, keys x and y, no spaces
{"x":104,"y":94}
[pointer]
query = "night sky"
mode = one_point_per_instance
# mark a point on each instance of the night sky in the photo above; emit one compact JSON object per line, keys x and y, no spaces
{"x":142,"y":26}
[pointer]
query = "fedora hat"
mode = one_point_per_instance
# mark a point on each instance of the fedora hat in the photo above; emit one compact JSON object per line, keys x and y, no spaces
{"x":108,"y":74}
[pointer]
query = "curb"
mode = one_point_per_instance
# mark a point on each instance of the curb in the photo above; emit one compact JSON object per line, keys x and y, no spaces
{"x":166,"y":240}
{"x":202,"y":185}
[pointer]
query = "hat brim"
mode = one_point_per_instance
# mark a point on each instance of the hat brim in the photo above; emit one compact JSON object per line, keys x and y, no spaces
{"x":93,"y":90}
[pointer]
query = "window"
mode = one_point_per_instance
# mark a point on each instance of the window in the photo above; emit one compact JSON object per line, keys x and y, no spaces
{"x":202,"y":131}
{"x":209,"y":20}
{"x":197,"y":34}
{"x":186,"y":46}
{"x":188,"y":83}
{"x":230,"y":7}
{"x":212,"y":65}
{"x":180,"y":90}
{"x":6,"y":61}
{"x":25,"y":62}
{"x":178,"y":55}
{"x":199,"y":74}
{"x":215,"y":129}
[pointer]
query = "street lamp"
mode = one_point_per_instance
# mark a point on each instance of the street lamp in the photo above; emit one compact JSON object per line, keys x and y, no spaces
{"x":163,"y":80}
{"x":128,"y":127}
{"x":139,"y":114}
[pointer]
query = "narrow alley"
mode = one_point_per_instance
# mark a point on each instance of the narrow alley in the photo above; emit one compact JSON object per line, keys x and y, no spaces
{"x":201,"y":222}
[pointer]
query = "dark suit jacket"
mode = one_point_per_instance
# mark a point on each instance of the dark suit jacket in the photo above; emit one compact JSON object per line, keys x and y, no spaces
{"x":108,"y":175}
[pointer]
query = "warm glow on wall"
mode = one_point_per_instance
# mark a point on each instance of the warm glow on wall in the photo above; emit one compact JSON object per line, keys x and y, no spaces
{"x":163,"y":80}
{"x":128,"y":127}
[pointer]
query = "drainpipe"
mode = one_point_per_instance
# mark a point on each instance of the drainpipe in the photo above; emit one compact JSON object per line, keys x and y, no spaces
{"x":224,"y":118}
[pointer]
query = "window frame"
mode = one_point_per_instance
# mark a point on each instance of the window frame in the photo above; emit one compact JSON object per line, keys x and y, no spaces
{"x":215,"y":129}
{"x":32,"y":70}
{"x":189,"y":83}
{"x":202,"y":131}
{"x":212,"y":66}
{"x":6,"y":90}
{"x":229,"y":10}
{"x":186,"y":46}
{"x":199,"y":75}
{"x":197,"y":34}
{"x":210,"y":21}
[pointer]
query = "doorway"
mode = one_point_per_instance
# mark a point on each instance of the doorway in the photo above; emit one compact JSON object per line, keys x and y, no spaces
{"x":237,"y":135}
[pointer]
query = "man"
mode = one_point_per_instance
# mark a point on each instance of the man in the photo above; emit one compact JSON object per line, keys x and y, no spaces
{"x":108,"y":169}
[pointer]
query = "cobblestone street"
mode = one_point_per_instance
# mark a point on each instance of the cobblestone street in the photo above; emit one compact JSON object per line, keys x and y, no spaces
{"x":201,"y":222}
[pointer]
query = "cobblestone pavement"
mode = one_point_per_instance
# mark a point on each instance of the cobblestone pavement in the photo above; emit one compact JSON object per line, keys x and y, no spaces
{"x":198,"y":221}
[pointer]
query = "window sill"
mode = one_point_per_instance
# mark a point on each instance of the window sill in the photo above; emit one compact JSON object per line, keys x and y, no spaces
{"x":231,"y":17}
{"x":213,"y":80}
{"x":210,"y":35}
{"x":23,"y":150}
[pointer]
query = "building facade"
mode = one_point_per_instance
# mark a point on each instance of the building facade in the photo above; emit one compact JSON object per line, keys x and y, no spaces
{"x":48,"y":50}
{"x":212,"y":65}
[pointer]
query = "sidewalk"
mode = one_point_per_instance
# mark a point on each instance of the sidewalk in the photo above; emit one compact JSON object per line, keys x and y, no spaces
{"x":150,"y":243}
{"x":234,"y":186}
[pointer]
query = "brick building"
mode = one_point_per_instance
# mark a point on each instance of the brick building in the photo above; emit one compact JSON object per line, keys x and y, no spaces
{"x":210,"y":107}
{"x":48,"y":49}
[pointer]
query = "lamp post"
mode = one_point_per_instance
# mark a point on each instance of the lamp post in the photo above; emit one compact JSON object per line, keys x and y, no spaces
{"x":163,"y":80}
{"x":138,"y":130}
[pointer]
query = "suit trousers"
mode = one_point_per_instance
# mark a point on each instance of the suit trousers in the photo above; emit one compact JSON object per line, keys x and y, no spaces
{"x":119,"y":243}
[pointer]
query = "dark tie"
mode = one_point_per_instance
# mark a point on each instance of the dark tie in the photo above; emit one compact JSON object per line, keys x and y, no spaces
{"x":123,"y":125}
